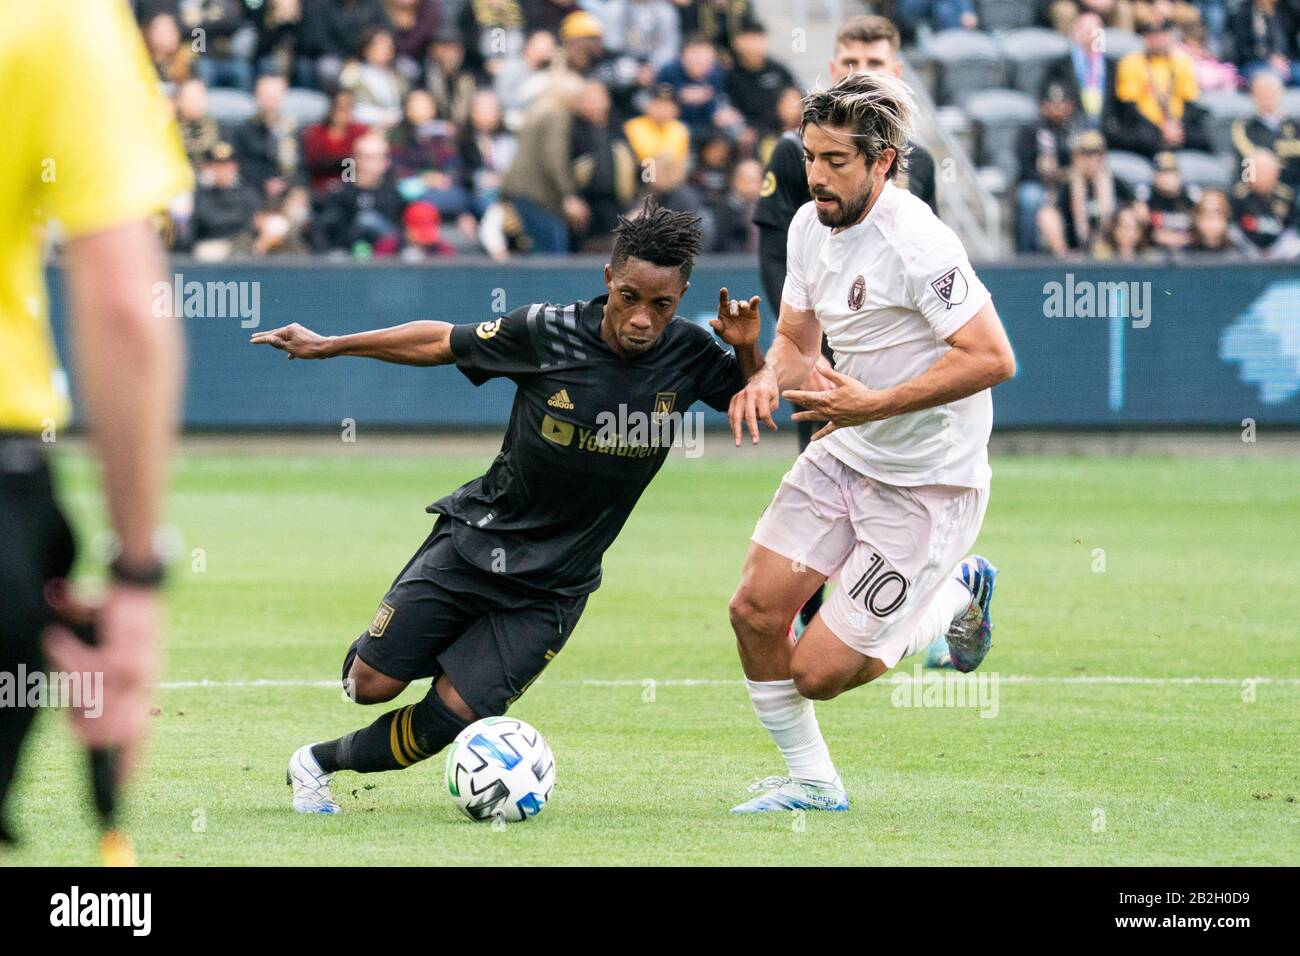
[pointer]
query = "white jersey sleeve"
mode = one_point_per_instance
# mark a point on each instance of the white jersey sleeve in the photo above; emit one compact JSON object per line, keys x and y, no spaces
{"x":796,"y":293}
{"x":941,"y":284}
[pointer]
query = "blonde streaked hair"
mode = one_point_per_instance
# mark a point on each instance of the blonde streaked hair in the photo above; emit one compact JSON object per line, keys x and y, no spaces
{"x":877,"y":108}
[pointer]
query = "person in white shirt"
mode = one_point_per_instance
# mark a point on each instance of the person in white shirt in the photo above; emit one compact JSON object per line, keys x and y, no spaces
{"x":891,"y":493}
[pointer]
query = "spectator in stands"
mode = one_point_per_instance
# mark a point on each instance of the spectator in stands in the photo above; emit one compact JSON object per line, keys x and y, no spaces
{"x":1212,"y":74}
{"x":328,"y":144}
{"x":422,"y":233}
{"x":1043,"y":151}
{"x":734,"y":230}
{"x":278,"y":23}
{"x":755,"y":81}
{"x":1269,"y":128}
{"x":266,"y":144}
{"x":328,"y":34}
{"x":378,"y":89}
{"x":199,"y":131}
{"x":487,"y":150}
{"x":1263,"y":211}
{"x":1261,"y":40}
{"x":173,"y":60}
{"x":672,"y":190}
{"x":1115,"y":14}
{"x":492,"y":31}
{"x":1126,"y":236}
{"x":277,"y":228}
{"x":622,"y":76}
{"x":658,"y":131}
{"x":1169,"y":205}
{"x":426,"y":160}
{"x":647,"y":30}
{"x":1157,"y":96}
{"x":1211,"y":221}
{"x":223,"y":205}
{"x":363,"y":216}
{"x":221,"y":36}
{"x":1071,"y":220}
{"x":1086,"y":73}
{"x":522,"y":80}
{"x":697,"y":79}
{"x":604,"y":170}
{"x":548,"y":14}
{"x":415,"y":23}
{"x":710,"y":177}
{"x":789,"y":115}
{"x":539,"y":185}
{"x":936,"y":15}
{"x":715,"y":20}
{"x":449,"y":79}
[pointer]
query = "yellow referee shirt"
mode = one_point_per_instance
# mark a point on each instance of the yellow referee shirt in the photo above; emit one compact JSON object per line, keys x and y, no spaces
{"x":88,"y":140}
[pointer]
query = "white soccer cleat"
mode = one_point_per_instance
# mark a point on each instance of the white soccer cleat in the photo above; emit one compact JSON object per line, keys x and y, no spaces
{"x":782,"y":793}
{"x":311,"y":784}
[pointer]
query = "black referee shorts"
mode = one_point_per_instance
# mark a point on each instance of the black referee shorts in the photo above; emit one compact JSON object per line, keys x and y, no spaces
{"x":443,"y":615}
{"x":36,"y":545}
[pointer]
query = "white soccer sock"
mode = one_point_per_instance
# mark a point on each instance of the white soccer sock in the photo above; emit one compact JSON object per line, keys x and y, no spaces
{"x":951,"y":599}
{"x":789,"y":718}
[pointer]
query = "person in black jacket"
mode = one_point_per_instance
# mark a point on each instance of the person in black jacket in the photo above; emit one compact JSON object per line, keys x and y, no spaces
{"x":266,"y":143}
{"x":1043,"y":152}
{"x":1086,"y":73}
{"x":862,"y":44}
{"x":364,"y":216}
{"x":224,"y":204}
{"x":329,"y":32}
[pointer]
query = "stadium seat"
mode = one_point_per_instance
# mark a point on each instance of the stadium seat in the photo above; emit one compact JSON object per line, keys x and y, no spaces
{"x":230,"y":106}
{"x":1205,"y":169}
{"x":968,"y":62}
{"x":999,"y":114}
{"x":1005,"y":14}
{"x":305,"y":106}
{"x":1028,"y":53}
{"x":1224,"y":107}
{"x":1132,"y":169}
{"x":1120,"y":43}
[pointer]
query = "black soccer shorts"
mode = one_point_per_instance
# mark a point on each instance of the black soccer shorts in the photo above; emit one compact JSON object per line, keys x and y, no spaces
{"x":443,"y":615}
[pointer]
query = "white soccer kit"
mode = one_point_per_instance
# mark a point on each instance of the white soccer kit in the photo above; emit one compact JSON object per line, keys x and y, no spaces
{"x":888,"y":507}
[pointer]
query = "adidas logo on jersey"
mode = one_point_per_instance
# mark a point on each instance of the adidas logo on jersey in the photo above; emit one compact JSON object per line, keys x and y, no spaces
{"x":561,"y":400}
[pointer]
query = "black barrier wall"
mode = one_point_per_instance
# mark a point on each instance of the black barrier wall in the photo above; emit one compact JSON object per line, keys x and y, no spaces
{"x":1099,"y":345}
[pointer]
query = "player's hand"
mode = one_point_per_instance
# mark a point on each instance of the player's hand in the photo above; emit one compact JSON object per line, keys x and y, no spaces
{"x":817,"y":380}
{"x":126,"y":655}
{"x":846,"y":402}
{"x":738,"y":321}
{"x":755,"y":403}
{"x":298,"y":340}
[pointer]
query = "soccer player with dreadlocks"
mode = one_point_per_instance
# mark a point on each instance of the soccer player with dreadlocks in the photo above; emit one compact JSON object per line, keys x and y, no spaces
{"x":498,"y":586}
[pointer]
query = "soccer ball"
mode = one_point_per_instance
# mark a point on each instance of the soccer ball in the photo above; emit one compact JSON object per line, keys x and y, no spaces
{"x":500,"y":768}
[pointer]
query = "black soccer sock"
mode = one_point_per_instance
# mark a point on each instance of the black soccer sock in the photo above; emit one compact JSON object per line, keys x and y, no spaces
{"x":15,"y":722}
{"x":398,"y":739}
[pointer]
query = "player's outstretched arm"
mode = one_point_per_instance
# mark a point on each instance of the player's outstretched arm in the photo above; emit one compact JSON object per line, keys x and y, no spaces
{"x":980,"y":357}
{"x":738,"y":324}
{"x":787,"y":364}
{"x":414,"y":343}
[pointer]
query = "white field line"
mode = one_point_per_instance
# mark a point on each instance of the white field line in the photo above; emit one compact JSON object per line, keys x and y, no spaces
{"x":717,"y":682}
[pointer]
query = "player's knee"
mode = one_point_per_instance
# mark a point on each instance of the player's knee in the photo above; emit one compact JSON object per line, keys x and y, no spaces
{"x":366,"y":685}
{"x":813,"y":683}
{"x":749,"y":615}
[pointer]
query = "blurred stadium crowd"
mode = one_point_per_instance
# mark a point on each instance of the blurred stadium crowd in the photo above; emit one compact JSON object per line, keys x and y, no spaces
{"x":430,"y":128}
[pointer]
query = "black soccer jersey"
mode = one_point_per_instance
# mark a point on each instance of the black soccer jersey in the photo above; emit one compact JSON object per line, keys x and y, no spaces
{"x":587,"y":433}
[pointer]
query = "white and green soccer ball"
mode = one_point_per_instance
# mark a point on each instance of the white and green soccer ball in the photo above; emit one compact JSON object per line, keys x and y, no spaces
{"x":500,"y":768}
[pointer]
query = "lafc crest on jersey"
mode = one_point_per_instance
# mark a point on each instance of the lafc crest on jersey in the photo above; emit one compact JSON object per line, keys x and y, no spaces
{"x":486,"y":330}
{"x":382,"y":617}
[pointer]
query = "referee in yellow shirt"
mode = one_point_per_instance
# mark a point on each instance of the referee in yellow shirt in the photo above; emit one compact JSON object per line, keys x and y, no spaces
{"x":89,"y":141}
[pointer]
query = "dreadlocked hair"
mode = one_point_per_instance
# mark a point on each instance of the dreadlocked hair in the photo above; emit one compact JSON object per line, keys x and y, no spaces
{"x":878,"y":110}
{"x":658,"y":235}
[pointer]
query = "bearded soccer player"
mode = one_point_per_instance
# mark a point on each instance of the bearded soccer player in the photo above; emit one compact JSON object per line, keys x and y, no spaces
{"x":89,"y":141}
{"x":494,"y":592}
{"x":891,"y":493}
{"x":865,"y":44}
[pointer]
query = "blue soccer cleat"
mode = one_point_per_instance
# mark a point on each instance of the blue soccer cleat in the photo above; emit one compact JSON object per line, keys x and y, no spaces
{"x":938,"y":654}
{"x":970,"y":635}
{"x":782,"y":793}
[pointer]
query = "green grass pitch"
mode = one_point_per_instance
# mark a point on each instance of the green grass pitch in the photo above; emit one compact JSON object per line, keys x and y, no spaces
{"x":1119,"y":577}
